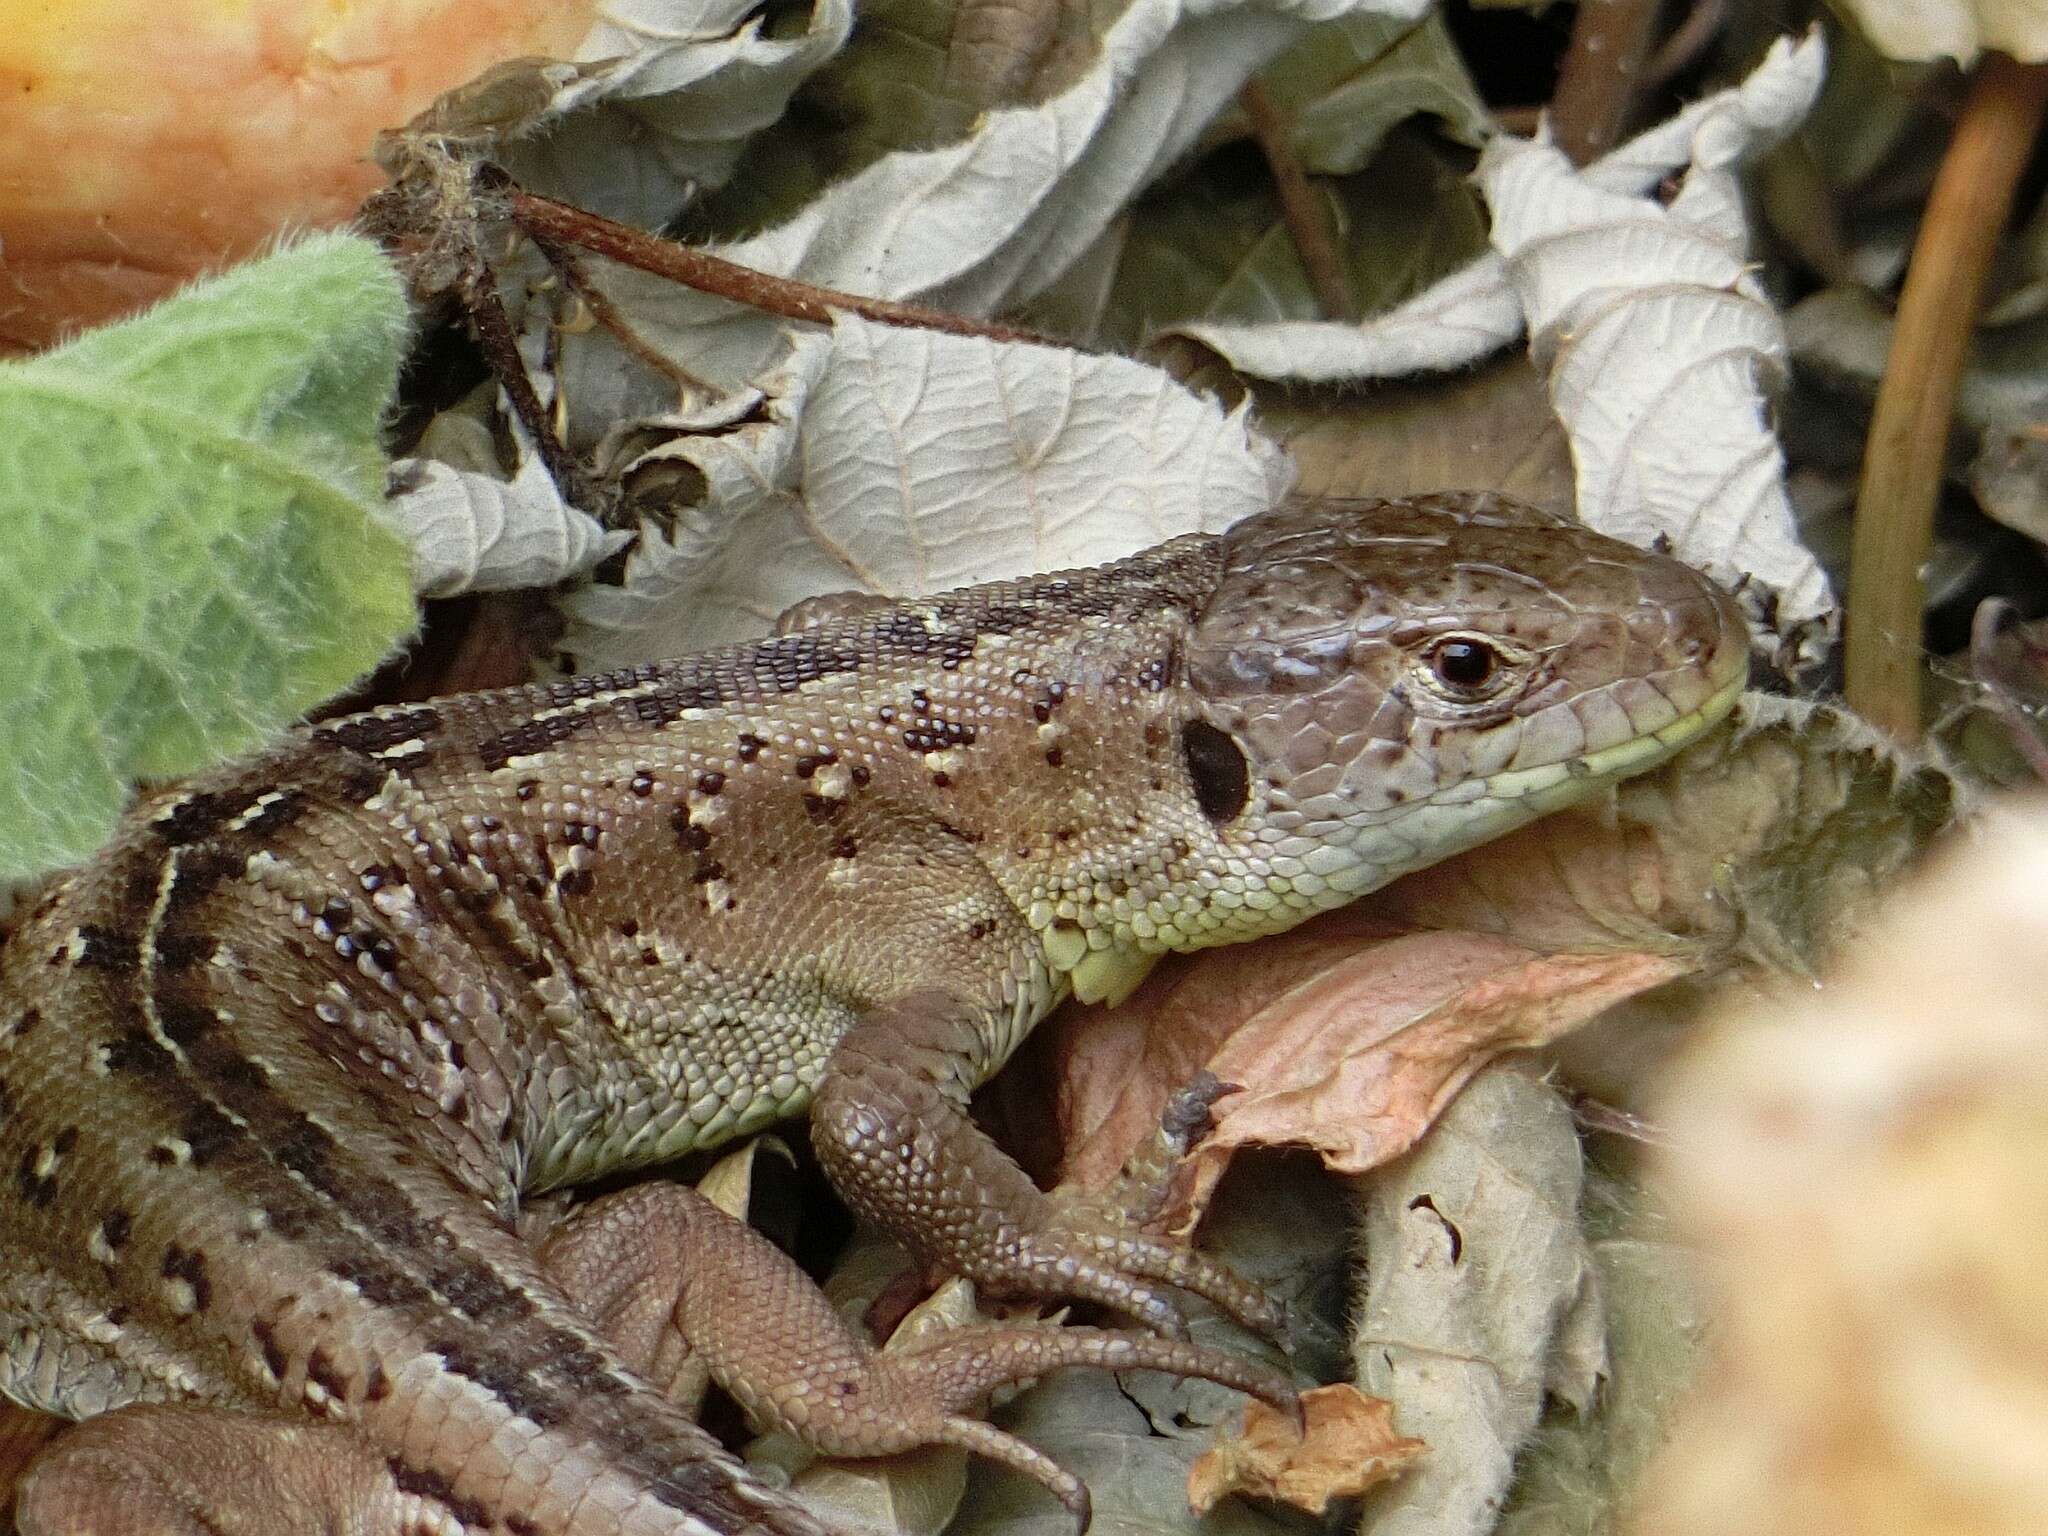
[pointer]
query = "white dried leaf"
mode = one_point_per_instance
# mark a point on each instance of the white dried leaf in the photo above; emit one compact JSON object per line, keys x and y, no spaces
{"x":473,"y":532}
{"x":1660,"y":343}
{"x":1956,"y":29}
{"x":1474,"y":1262}
{"x":1457,"y":320}
{"x":658,"y":104}
{"x":971,"y":226}
{"x":900,"y":462}
{"x":1475,"y":312}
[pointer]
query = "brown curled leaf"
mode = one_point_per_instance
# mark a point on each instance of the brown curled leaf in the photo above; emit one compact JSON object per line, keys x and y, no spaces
{"x":1349,"y":1446}
{"x":1349,"y":1046}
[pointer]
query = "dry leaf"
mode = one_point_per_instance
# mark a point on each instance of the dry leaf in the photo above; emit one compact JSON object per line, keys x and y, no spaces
{"x":1479,"y":1296}
{"x":1348,"y":1446}
{"x":1492,"y":426}
{"x":1348,"y":1044}
{"x":1862,"y":1165}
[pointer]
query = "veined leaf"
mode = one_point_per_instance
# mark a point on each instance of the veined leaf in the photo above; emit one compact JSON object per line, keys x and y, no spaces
{"x":194,"y":557}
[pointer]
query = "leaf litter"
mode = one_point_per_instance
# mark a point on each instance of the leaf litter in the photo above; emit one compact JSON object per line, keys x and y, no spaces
{"x":748,"y":461}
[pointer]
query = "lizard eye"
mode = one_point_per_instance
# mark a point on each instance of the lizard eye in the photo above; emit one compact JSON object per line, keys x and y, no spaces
{"x":1464,"y":665}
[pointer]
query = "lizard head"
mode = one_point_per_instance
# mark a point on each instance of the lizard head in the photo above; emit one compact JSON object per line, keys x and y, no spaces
{"x":1377,"y":685}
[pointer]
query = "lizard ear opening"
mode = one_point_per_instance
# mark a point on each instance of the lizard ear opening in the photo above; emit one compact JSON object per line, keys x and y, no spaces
{"x":1217,"y":766}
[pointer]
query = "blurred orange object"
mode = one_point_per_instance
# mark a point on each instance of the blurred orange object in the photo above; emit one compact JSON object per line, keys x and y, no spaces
{"x":143,"y":143}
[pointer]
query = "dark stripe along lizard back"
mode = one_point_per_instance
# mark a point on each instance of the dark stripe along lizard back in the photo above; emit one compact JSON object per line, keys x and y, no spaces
{"x":277,"y":1067}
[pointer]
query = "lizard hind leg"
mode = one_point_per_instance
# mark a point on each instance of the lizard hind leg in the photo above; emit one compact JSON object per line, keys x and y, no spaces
{"x":891,"y":1127}
{"x":189,"y":1470}
{"x":740,"y":1308}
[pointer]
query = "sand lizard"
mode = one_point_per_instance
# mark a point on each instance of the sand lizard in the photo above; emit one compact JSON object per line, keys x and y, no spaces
{"x":279,"y":1065}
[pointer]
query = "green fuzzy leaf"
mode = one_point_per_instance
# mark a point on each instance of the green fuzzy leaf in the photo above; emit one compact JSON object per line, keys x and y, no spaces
{"x":194,"y":556}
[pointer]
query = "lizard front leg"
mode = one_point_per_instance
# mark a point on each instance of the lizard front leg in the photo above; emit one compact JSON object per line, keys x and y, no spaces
{"x":678,"y":1286}
{"x":891,"y":1126}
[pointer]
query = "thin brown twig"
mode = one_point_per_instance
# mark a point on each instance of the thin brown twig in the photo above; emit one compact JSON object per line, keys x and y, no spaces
{"x":500,"y":346}
{"x":1909,"y":426}
{"x":1985,"y":626}
{"x":545,"y":217}
{"x":580,"y":283}
{"x":1602,"y":73}
{"x":1301,"y":209}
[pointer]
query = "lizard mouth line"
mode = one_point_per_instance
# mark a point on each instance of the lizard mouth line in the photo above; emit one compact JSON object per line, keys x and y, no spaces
{"x":1556,"y":784}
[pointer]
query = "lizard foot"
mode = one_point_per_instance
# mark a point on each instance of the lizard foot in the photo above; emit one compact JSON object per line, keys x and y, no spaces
{"x":680,"y":1286}
{"x":891,"y":1127}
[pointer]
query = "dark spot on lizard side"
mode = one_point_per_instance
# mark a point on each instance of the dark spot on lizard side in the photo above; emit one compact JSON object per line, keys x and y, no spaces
{"x":183,"y":1020}
{"x":201,"y":871}
{"x":273,"y":813}
{"x":22,"y":1025}
{"x":194,"y":817}
{"x":530,"y":738}
{"x":138,"y":1053}
{"x":207,"y":1132}
{"x":749,"y":746}
{"x":181,"y":949}
{"x":508,"y":1383}
{"x":788,"y":662}
{"x":822,"y":808}
{"x":360,"y":782}
{"x":379,"y":1284}
{"x":937,"y":735}
{"x":115,"y":1227}
{"x":669,"y":705}
{"x":710,"y":783}
{"x":325,"y":1374}
{"x":425,"y":1484}
{"x":845,"y":848}
{"x":275,"y":1360}
{"x":376,"y":1385}
{"x":108,"y":949}
{"x":189,"y":1267}
{"x":689,"y":835}
{"x":519,"y":1525}
{"x":576,"y":882}
{"x":374,"y":734}
{"x":1005,"y":618}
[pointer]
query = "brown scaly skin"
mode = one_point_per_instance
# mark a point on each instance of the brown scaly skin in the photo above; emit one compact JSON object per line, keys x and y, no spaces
{"x":277,"y":1068}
